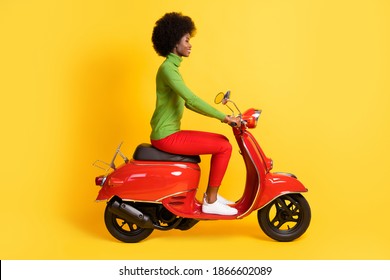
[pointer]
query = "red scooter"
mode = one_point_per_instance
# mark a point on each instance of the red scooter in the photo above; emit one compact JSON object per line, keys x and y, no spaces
{"x":157,"y":190}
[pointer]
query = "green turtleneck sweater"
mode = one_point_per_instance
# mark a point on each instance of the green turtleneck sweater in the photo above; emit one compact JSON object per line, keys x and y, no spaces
{"x":172,"y":96}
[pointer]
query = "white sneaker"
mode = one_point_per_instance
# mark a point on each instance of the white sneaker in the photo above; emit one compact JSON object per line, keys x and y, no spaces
{"x":224,"y":200}
{"x":218,"y":208}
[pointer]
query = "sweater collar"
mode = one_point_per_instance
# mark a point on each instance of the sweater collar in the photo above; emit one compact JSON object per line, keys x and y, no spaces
{"x":175,"y":59}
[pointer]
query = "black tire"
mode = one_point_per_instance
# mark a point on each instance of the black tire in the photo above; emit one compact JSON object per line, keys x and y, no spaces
{"x":123,"y":230}
{"x":285,"y":218}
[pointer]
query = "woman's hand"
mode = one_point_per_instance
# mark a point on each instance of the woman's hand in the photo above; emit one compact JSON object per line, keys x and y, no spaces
{"x":232,"y":121}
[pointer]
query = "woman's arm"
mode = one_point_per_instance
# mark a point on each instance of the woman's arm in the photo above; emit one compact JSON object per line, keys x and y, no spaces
{"x":174,"y":80}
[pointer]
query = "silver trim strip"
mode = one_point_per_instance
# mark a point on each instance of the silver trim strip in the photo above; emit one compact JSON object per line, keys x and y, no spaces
{"x":158,"y":201}
{"x":258,"y":177}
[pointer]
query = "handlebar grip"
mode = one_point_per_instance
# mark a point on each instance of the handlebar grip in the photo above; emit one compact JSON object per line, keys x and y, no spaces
{"x":233,"y":124}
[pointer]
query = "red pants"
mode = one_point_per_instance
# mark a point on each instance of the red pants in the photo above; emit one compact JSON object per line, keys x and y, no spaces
{"x":189,"y":142}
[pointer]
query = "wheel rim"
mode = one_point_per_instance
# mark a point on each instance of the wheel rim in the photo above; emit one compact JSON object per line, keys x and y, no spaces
{"x":285,"y":214}
{"x":125,"y":227}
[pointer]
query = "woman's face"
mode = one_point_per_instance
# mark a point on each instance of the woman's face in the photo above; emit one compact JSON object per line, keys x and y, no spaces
{"x":183,"y":48}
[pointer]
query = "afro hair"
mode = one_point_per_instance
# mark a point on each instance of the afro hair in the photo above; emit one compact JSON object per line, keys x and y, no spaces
{"x":169,"y":30}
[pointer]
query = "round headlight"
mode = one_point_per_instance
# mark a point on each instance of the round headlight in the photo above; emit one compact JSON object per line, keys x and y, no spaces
{"x":251,"y":117}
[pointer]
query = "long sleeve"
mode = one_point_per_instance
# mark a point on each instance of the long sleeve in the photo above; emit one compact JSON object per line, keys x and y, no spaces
{"x":171,"y":96}
{"x":174,"y":80}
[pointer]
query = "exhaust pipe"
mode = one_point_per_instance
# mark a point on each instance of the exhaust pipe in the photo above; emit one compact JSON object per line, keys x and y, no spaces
{"x":129,"y":213}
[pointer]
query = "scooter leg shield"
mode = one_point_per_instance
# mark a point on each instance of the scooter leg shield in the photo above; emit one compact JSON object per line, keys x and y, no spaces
{"x":129,"y":213}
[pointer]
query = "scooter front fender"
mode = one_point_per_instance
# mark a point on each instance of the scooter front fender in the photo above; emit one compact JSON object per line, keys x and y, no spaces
{"x":278,"y":184}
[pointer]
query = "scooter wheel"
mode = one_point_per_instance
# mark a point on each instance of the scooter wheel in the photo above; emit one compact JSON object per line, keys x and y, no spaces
{"x":285,"y":218}
{"x":123,"y":230}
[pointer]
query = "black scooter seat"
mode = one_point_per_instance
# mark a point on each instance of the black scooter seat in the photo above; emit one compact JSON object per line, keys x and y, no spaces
{"x":148,"y":152}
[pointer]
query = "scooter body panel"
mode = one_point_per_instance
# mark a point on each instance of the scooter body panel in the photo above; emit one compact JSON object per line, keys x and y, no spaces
{"x":150,"y":181}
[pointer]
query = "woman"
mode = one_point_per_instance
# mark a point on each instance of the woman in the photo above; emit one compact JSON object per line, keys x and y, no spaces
{"x":171,"y":39}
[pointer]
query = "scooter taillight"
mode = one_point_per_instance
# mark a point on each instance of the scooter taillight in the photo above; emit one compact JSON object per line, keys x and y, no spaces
{"x":99,"y":181}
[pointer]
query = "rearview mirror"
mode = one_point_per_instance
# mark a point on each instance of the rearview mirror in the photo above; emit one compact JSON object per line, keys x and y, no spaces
{"x":222,"y":97}
{"x":218,"y":99}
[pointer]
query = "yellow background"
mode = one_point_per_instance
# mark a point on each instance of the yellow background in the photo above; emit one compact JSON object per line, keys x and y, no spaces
{"x":77,"y":78}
